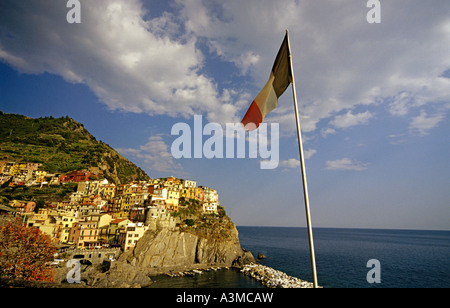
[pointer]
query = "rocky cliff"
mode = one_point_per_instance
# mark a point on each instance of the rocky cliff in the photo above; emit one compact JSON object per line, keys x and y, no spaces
{"x":199,"y":240}
{"x":163,"y":250}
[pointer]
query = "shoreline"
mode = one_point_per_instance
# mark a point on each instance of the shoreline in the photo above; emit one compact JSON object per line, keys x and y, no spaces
{"x":267,"y":276}
{"x":174,"y":272}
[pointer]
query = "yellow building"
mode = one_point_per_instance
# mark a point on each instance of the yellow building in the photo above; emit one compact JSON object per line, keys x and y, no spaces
{"x":128,"y":189}
{"x":14,"y":169}
{"x":22,"y":168}
{"x":173,"y":194}
{"x":40,"y":176}
{"x":173,"y":199}
{"x":66,"y":221}
{"x":187,"y":193}
{"x":121,"y":206}
{"x":108,"y":191}
{"x":44,"y":221}
{"x":110,"y":232}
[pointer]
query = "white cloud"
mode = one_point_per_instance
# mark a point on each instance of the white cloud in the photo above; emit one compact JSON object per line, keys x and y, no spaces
{"x":400,"y":104}
{"x":294,"y":163}
{"x":423,"y":123}
{"x":350,"y":119}
{"x":247,"y":60}
{"x":309,"y":153}
{"x":327,"y":131}
{"x":130,"y":63}
{"x":345,"y":164}
{"x":153,"y":65}
{"x":290,"y":163}
{"x":154,"y":154}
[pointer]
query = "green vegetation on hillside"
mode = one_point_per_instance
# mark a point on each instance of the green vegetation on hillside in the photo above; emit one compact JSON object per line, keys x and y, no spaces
{"x":62,"y":145}
{"x":210,"y":226}
{"x":54,"y":193}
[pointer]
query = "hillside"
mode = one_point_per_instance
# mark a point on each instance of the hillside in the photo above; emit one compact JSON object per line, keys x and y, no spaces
{"x":62,"y":145}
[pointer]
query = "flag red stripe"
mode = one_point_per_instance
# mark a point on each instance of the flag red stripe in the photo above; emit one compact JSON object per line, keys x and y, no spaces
{"x":253,"y":115}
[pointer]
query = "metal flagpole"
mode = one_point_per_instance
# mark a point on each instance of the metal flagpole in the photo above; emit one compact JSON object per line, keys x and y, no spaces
{"x":302,"y":163}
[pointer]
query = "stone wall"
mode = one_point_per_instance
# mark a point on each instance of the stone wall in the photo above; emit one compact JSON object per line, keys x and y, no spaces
{"x":95,"y":256}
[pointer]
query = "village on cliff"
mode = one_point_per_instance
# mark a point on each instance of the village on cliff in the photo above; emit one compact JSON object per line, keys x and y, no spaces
{"x":100,"y":214}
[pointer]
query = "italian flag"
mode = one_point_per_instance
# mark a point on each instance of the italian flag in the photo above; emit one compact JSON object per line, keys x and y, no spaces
{"x":267,"y":99}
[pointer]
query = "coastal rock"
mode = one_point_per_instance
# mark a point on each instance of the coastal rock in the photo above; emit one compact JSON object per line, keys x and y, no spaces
{"x":246,"y":258}
{"x":118,"y":275}
{"x":121,"y":275}
{"x":261,"y":256}
{"x":272,"y":278}
{"x":161,"y":250}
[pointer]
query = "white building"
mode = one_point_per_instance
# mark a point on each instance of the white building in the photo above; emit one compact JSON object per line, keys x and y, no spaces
{"x":189,"y":184}
{"x":159,"y":194}
{"x":210,"y":207}
{"x":129,"y":236}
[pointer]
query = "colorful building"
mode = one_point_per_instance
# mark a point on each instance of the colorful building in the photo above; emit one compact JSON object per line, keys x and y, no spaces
{"x":77,"y":176}
{"x":85,"y":233}
{"x":129,"y":236}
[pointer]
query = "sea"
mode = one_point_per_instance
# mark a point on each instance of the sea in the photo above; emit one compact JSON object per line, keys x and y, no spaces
{"x":344,"y":258}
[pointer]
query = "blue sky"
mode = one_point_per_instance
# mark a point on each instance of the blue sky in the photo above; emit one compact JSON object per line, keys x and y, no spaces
{"x":374,"y":98}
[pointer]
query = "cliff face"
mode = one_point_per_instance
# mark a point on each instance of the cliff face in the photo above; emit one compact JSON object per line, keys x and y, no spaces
{"x":161,"y":250}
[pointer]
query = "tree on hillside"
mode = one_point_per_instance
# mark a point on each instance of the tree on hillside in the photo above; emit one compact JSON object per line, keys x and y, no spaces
{"x":25,"y":252}
{"x":39,"y":205}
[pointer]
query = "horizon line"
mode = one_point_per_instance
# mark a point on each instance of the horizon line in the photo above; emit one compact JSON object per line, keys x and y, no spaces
{"x":355,"y":228}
